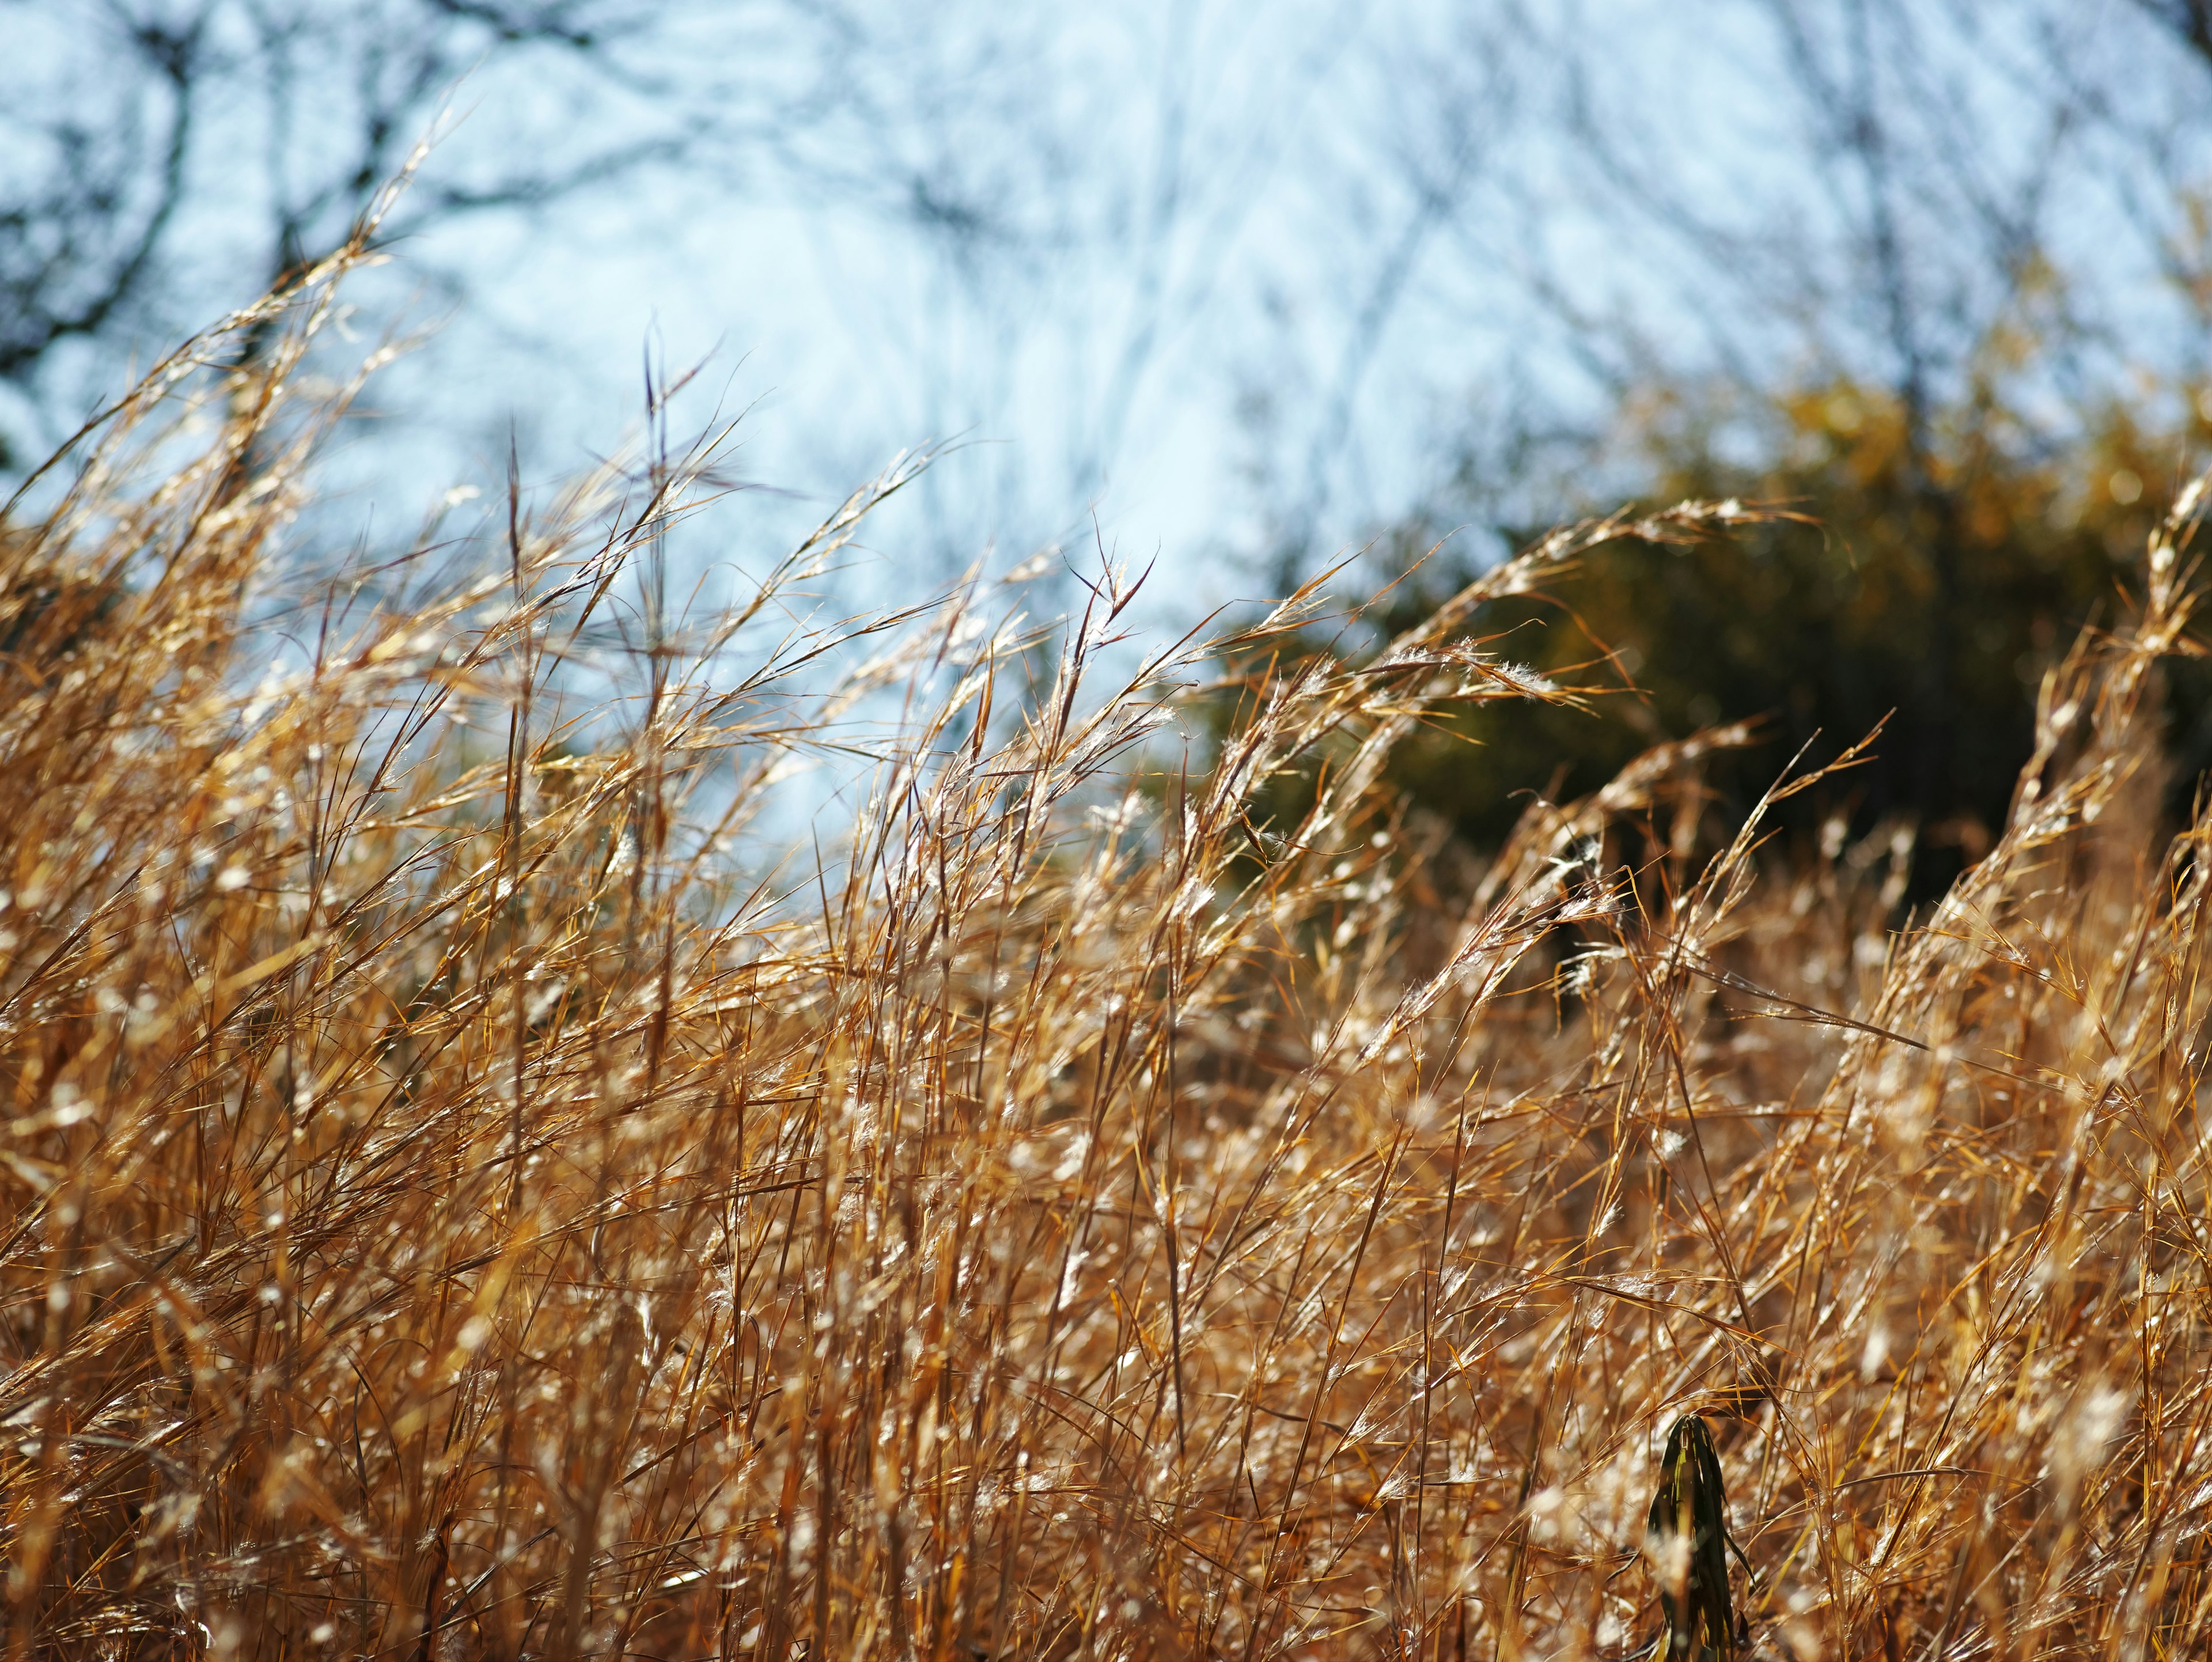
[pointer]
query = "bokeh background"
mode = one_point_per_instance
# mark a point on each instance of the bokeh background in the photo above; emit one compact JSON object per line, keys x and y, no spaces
{"x":1236,"y":293}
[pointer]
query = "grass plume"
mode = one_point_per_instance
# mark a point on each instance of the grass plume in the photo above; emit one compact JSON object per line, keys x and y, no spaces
{"x":455,"y":1206}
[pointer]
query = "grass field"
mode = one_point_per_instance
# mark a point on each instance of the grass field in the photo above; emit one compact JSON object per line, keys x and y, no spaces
{"x":457,"y":1206}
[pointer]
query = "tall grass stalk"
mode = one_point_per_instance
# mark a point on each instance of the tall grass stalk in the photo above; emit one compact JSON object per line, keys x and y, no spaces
{"x":454,"y":1207}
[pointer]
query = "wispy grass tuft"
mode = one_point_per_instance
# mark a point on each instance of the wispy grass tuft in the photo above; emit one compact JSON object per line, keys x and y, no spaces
{"x":456,"y":1206}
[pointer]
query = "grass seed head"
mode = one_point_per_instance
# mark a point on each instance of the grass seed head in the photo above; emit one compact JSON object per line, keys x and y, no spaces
{"x":462,"y":1199}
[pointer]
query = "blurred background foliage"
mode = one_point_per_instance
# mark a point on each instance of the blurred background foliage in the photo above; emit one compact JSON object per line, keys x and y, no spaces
{"x":1917,"y":577}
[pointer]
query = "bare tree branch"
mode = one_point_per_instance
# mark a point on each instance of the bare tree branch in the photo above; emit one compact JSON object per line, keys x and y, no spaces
{"x":72,"y":258}
{"x":337,"y":94}
{"x":2189,"y":20}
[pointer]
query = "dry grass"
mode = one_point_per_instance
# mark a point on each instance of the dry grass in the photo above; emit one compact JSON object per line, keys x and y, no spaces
{"x":452,"y":1209}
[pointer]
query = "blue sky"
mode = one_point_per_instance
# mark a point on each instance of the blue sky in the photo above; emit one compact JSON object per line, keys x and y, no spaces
{"x":1183,"y":276}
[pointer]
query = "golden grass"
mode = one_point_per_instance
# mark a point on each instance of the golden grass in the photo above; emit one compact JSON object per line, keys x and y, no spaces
{"x":453,"y":1210}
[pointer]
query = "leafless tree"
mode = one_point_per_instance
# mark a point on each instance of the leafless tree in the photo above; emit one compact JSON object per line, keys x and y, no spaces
{"x":163,"y":155}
